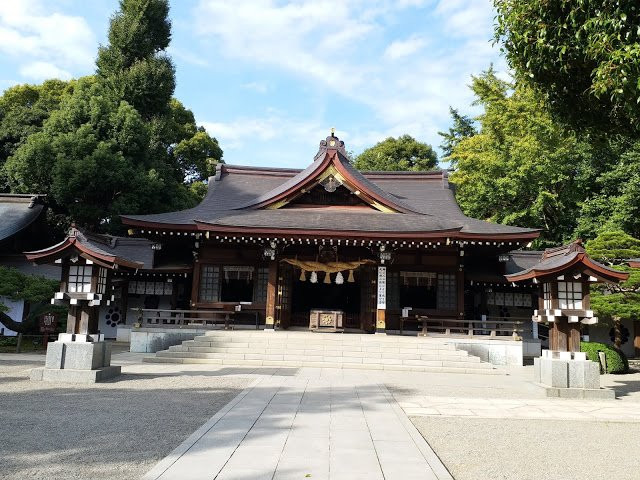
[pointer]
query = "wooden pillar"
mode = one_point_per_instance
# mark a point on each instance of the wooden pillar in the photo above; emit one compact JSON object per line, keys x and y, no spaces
{"x":636,"y":336}
{"x":272,"y":286}
{"x":558,"y":335}
{"x":381,"y":310}
{"x":88,"y":320}
{"x":72,"y":319}
{"x":460,"y":291}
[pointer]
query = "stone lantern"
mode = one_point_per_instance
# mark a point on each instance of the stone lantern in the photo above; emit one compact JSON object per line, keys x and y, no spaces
{"x":88,"y":261}
{"x":564,"y":276}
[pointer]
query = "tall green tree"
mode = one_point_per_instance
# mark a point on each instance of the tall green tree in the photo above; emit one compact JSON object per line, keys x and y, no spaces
{"x":462,"y":127}
{"x":397,"y":154}
{"x":617,"y":302}
{"x":134,"y":63}
{"x":521,"y":168}
{"x":134,"y":66}
{"x":116,"y":142}
{"x":583,"y":55}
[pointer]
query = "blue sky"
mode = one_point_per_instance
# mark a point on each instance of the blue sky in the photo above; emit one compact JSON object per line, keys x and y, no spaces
{"x":269,"y":78}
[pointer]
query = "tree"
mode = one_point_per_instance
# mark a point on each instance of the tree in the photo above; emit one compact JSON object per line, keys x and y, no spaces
{"x":134,"y":64}
{"x":23,"y":111}
{"x":613,"y":202}
{"x":91,"y":158}
{"x":135,"y":68}
{"x":37,"y":291}
{"x":616,"y":302}
{"x":462,"y":128}
{"x":521,"y":167}
{"x":583,"y":55}
{"x":402,"y":154}
{"x":116,"y":142}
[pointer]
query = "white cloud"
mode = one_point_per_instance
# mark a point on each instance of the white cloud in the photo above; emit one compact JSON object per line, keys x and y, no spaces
{"x":404,"y":48}
{"x":339,"y":46}
{"x":258,"y":87}
{"x":42,"y":71}
{"x":45,"y":41}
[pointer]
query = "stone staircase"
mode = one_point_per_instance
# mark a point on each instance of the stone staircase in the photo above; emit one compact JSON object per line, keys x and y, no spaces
{"x":334,"y":350}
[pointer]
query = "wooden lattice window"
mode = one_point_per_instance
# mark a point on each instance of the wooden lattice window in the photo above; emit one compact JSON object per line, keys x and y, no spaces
{"x":570,"y":295}
{"x":79,"y":279}
{"x":447,"y":298}
{"x":209,"y":283}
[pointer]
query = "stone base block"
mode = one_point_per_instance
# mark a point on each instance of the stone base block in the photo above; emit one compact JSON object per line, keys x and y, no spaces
{"x":582,"y":393}
{"x":69,"y":375}
{"x":566,"y":373}
{"x":78,"y":355}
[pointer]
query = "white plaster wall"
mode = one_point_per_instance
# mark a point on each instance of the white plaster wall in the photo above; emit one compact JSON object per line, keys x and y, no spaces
{"x":16,"y":309}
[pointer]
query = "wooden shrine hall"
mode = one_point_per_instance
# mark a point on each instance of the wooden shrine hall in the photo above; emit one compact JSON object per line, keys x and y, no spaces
{"x":327,"y":248}
{"x":331,"y":247}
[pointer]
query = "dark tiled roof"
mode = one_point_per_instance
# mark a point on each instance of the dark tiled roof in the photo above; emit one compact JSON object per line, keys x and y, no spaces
{"x":130,"y":252}
{"x":131,"y":249}
{"x":236,"y":191}
{"x":17,"y":212}
{"x":522,"y":260}
{"x":566,"y":257}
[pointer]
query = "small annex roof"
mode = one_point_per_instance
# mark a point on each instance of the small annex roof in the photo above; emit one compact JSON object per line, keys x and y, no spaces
{"x":258,"y":200}
{"x":634,"y":262}
{"x":556,"y":261}
{"x":17,"y":212}
{"x":105,"y":250}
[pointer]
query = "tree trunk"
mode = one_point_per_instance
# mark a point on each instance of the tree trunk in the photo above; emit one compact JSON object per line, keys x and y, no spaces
{"x":617,"y":332}
{"x":21,"y":327}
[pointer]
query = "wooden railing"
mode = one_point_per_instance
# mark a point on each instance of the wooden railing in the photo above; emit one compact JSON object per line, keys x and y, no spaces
{"x":492,"y":326}
{"x":150,"y":317}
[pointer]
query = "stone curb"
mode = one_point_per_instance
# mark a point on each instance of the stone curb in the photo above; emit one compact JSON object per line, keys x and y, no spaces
{"x":439,"y":469}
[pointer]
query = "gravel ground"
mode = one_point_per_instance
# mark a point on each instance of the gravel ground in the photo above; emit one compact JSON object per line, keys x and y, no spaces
{"x":111,"y":430}
{"x":477,"y":449}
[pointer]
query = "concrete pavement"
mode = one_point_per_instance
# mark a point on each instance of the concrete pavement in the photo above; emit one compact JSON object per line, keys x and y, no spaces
{"x":295,"y":427}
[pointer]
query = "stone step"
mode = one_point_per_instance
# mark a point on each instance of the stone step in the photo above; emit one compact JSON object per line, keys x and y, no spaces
{"x":454,"y":355}
{"x":488,"y":370}
{"x":325,"y":359}
{"x":311,"y":343}
{"x":314,"y":350}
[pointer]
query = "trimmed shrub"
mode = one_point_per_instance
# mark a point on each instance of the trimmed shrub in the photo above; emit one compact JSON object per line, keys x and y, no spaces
{"x":616,"y":360}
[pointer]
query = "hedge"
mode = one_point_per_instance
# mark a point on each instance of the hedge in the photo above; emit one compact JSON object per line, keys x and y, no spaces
{"x":616,"y":360}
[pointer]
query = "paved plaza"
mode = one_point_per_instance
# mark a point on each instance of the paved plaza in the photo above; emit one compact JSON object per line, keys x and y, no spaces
{"x":166,"y":421}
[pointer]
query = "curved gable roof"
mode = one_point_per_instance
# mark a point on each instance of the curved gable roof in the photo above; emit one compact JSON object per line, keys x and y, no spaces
{"x":330,"y":157}
{"x":556,"y":261}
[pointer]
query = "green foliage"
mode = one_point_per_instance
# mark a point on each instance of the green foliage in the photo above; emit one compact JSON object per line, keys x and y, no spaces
{"x":616,"y":359}
{"x":112,"y":144}
{"x":584,"y":55}
{"x":23,"y":111}
{"x":613,"y":247}
{"x":31,"y":288}
{"x":521,"y":167}
{"x":133,"y":64}
{"x":463,"y":127}
{"x":613,"y":201}
{"x":198,"y":155}
{"x":404,"y":153}
{"x":616,"y":302}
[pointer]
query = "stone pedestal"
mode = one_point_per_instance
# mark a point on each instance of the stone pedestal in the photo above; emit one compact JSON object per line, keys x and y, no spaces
{"x":77,"y":359}
{"x":569,"y":375}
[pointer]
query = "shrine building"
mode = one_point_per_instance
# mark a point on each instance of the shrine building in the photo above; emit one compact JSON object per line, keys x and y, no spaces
{"x":327,"y":248}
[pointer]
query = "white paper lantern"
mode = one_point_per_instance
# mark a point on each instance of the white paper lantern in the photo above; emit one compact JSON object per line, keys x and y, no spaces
{"x":339,"y":278}
{"x":314,"y":277}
